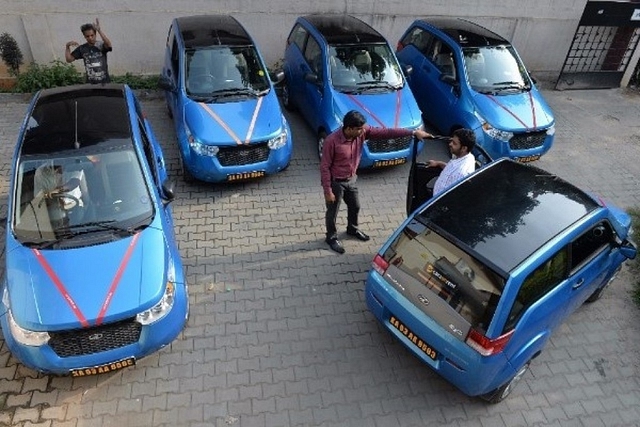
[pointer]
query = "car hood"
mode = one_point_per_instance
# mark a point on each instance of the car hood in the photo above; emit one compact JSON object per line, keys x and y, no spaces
{"x":69,"y":288}
{"x":392,"y":109}
{"x":235,"y":122}
{"x":519,"y":112}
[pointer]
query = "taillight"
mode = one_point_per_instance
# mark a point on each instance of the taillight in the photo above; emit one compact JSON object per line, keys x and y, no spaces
{"x":380,"y":265}
{"x":486,"y":346}
{"x":399,"y":47}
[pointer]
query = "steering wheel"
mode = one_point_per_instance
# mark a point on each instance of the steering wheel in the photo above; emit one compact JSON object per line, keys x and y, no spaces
{"x":66,"y":200}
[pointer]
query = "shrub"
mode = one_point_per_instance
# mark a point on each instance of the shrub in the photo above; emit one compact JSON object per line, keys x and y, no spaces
{"x":634,"y":265}
{"x":11,"y":53}
{"x":145,"y":82}
{"x":57,"y":73}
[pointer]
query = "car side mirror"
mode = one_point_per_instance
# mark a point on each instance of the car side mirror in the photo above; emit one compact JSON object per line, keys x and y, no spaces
{"x":628,"y":249}
{"x":408,"y":69}
{"x":312,"y":78}
{"x":277,"y":77}
{"x":165,"y":83}
{"x":168,"y":193}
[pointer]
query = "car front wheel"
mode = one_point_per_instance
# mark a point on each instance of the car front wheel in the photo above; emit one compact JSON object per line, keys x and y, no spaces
{"x":501,"y":393}
{"x":286,"y":98}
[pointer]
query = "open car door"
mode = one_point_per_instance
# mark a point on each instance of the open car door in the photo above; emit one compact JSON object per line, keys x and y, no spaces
{"x":420,"y":174}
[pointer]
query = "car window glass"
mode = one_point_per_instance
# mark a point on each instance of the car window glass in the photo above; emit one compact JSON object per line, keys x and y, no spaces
{"x":419,"y":38}
{"x":442,"y":57}
{"x":371,"y":67}
{"x":313,"y":55}
{"x":148,"y":151}
{"x":298,"y":36}
{"x":537,"y":284}
{"x":174,"y":57}
{"x":589,"y":244}
{"x":211,"y":70}
{"x":466,"y":284}
{"x":495,"y":68}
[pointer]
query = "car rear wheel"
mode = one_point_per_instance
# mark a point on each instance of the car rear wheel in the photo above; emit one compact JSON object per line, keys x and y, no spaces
{"x":501,"y":393}
{"x":321,"y":137}
{"x":286,"y":99}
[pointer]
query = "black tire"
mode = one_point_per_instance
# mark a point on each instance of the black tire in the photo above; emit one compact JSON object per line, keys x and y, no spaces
{"x":186,"y":175}
{"x":321,"y":137}
{"x":597,"y":294}
{"x":286,"y":99}
{"x":502,"y":392}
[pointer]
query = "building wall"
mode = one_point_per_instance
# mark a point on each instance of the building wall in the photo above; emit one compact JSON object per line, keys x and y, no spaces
{"x":541,"y":30}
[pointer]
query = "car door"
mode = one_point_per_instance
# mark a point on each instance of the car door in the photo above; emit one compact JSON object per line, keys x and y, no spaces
{"x":312,"y":91}
{"x":590,"y":262}
{"x":293,"y":62}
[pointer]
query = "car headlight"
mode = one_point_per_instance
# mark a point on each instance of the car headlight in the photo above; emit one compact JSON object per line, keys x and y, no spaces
{"x":551,"y":130}
{"x":500,"y":135}
{"x":23,"y":336}
{"x":279,"y":141}
{"x":198,"y":147}
{"x":163,"y":307}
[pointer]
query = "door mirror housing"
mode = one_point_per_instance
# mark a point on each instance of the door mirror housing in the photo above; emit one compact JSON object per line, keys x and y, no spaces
{"x":165,"y":83}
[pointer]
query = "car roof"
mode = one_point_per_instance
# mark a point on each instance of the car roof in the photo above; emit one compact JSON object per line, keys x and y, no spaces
{"x":211,"y":30}
{"x":507,"y":211}
{"x":466,"y":33}
{"x":344,"y":29}
{"x":61,"y":114}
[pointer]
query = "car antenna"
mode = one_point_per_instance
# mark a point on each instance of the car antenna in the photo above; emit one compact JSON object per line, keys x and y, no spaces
{"x":76,"y":143}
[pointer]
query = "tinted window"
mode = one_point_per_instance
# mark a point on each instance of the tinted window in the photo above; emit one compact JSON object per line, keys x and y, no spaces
{"x":588,"y":245}
{"x":466,"y":284}
{"x":537,"y":284}
{"x":313,"y":55}
{"x":442,"y":57}
{"x":297,"y":36}
{"x":419,"y":38}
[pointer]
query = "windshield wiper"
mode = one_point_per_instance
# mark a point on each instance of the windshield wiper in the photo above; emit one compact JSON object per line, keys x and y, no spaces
{"x":509,"y":85}
{"x":377,"y":84}
{"x":238,"y":91}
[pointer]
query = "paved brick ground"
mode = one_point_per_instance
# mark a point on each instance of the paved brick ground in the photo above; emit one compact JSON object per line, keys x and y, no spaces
{"x":280,"y":335}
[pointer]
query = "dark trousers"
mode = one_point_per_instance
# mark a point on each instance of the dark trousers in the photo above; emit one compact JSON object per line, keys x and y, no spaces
{"x":348,"y":191}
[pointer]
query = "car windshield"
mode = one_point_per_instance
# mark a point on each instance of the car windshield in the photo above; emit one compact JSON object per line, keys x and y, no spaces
{"x":79,"y":192}
{"x":358,"y":68}
{"x":440,"y":270}
{"x":495,"y":69}
{"x":224,"y":71}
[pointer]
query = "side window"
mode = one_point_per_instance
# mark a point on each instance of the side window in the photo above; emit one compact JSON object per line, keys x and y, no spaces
{"x":175,"y":61}
{"x":148,"y":150}
{"x":298,"y":36}
{"x":542,"y":280}
{"x":589,"y":244}
{"x":313,"y":55}
{"x":419,"y":38}
{"x":442,"y":57}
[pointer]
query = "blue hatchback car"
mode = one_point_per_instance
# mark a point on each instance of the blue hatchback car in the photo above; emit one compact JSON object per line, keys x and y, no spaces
{"x":475,"y":281}
{"x":337,"y":63}
{"x":223,"y":103}
{"x":93,"y":276}
{"x":467,"y":76}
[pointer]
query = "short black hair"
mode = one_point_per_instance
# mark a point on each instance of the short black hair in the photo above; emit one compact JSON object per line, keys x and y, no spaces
{"x":353,"y":119}
{"x":467,"y":138}
{"x":87,"y":27}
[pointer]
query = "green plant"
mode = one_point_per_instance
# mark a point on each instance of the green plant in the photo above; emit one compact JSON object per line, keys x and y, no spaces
{"x":57,"y":73}
{"x":634,"y":265}
{"x":11,"y":53}
{"x":138,"y":81}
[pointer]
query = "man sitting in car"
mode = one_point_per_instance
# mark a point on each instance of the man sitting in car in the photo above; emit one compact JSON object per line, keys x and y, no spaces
{"x":461,"y":164}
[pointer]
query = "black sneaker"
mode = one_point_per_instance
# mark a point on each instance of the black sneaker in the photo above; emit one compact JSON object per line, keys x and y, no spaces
{"x":335,"y":245}
{"x":358,"y":234}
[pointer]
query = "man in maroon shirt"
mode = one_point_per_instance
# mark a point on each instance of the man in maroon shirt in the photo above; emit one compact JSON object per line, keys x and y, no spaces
{"x":340,"y":159}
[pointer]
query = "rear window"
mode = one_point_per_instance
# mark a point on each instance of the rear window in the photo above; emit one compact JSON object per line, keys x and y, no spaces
{"x":466,"y":285}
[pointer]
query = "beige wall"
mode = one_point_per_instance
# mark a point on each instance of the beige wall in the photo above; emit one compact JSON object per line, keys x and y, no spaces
{"x":541,"y":30}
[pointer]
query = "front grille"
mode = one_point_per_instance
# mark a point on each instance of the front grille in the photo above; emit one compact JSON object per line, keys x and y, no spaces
{"x":95,"y":340}
{"x":243,"y":154}
{"x":524,"y":141}
{"x":389,"y":145}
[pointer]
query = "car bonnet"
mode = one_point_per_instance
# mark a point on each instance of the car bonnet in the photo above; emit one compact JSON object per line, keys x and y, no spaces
{"x":391,"y":109}
{"x":83,"y":287}
{"x":525,"y":111}
{"x":236,"y":122}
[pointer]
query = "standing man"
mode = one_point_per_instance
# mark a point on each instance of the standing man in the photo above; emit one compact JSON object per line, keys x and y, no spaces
{"x":463,"y":162}
{"x":93,"y":52}
{"x":340,"y":159}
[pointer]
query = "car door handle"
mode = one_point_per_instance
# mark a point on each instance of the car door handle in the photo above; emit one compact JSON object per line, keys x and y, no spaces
{"x":579,"y":283}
